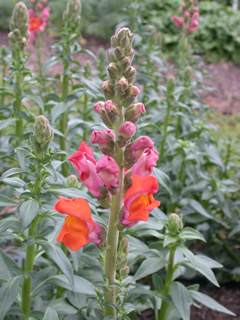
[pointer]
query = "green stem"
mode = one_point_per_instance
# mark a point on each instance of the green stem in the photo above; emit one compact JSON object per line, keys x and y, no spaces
{"x":181,"y":169}
{"x":170,"y":271}
{"x":18,"y":104}
{"x":113,"y":233}
{"x":63,"y":124}
{"x":85,"y":115}
{"x":30,"y":256}
{"x":169,"y":105}
{"x":3,"y":82}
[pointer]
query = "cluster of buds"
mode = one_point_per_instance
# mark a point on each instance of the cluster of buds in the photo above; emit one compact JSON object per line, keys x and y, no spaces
{"x":190,"y":14}
{"x":19,"y":35}
{"x":42,"y":135}
{"x":72,"y":15}
{"x":38,"y":18}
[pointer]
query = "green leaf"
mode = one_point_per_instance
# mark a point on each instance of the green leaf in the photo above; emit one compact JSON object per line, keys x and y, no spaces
{"x":8,"y":294}
{"x":36,"y":99}
{"x":14,"y":182}
{"x":191,"y":234}
{"x":158,"y":283}
{"x":149,"y":266}
{"x":50,"y":63}
{"x":209,"y":302}
{"x":50,"y":314}
{"x":28,"y":212}
{"x":7,"y":202}
{"x":163,"y":180}
{"x":8,"y":267}
{"x":169,"y":239}
{"x":11,"y":172}
{"x":71,"y":193}
{"x":199,"y":208}
{"x":181,"y":299}
{"x":57,"y":255}
{"x":50,"y":169}
{"x":6,"y":123}
{"x":81,"y":285}
{"x":58,"y":109}
{"x":6,"y":223}
{"x":62,"y":307}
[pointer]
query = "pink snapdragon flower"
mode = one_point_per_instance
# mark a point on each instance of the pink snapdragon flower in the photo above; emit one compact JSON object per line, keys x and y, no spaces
{"x":85,"y":165}
{"x":193,"y":26}
{"x":108,"y":171}
{"x":144,"y":166}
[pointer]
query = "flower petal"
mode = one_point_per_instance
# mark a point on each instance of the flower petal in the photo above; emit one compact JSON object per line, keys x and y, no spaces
{"x":74,"y":233}
{"x":75,"y":207}
{"x":140,"y":186}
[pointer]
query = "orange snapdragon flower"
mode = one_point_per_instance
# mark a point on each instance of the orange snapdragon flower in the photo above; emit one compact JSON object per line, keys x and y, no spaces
{"x":79,"y":228}
{"x":139,"y":200}
{"x":34,"y":24}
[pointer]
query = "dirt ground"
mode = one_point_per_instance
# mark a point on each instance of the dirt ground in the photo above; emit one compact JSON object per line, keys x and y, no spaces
{"x":225,"y":77}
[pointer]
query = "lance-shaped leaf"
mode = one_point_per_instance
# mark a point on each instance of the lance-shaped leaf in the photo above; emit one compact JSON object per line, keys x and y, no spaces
{"x":28,"y":212}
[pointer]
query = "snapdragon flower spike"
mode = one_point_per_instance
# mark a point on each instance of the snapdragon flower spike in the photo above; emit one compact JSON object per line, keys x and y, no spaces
{"x":139,"y":200}
{"x":85,"y":165}
{"x":108,"y":171}
{"x":79,"y":228}
{"x":144,"y":166}
{"x":125,"y":133}
{"x":190,"y":16}
{"x":104,"y":139}
{"x":135,"y":149}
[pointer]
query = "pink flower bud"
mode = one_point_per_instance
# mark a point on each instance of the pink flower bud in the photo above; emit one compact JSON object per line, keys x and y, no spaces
{"x":195,"y":9}
{"x":144,"y":166}
{"x":39,"y":6}
{"x":132,"y":113}
{"x":45,"y":1}
{"x":195,"y":16}
{"x":127,"y":129}
{"x":98,"y":235}
{"x":45,"y":14}
{"x":178,"y":22}
{"x":108,"y":171}
{"x":31,"y":12}
{"x":180,"y":9}
{"x":193,"y":26}
{"x":109,"y":106}
{"x":134,"y":150}
{"x":134,"y":91}
{"x":104,"y":139}
{"x":32,"y":1}
{"x":125,"y":132}
{"x":99,"y":107}
{"x":186,"y":14}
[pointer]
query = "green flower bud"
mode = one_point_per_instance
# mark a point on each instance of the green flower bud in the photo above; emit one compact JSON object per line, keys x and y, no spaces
{"x":19,"y":35}
{"x":72,"y":14}
{"x":72,"y":181}
{"x":125,"y":63}
{"x":122,"y":85}
{"x":175,"y":223}
{"x":124,"y":246}
{"x":124,"y":272}
{"x":113,"y":70}
{"x":42,"y":135}
{"x":130,"y":74}
{"x":188,"y":74}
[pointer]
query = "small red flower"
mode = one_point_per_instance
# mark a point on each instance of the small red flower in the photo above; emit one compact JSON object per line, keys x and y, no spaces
{"x":79,"y":228}
{"x":139,"y":200}
{"x":34,"y":24}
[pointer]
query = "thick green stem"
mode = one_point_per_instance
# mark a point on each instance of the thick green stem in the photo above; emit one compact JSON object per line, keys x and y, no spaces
{"x":170,"y":271}
{"x":3,"y":82}
{"x":113,"y":233}
{"x":30,"y":256}
{"x":63,"y":124}
{"x":85,"y":115}
{"x":169,"y":105}
{"x":18,"y":104}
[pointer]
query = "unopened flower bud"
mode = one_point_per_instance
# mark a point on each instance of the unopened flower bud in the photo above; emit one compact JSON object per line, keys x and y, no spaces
{"x":108,"y":89}
{"x":113,"y":70}
{"x":188,"y":74}
{"x":132,"y":112}
{"x":72,"y":181}
{"x":125,"y":63}
{"x":122,"y":85}
{"x":114,"y":41}
{"x":124,"y":42}
{"x":112,"y":111}
{"x":124,"y":246}
{"x":42,"y":135}
{"x":118,"y":53}
{"x":125,"y":133}
{"x":175,"y":223}
{"x":111,"y":56}
{"x":186,"y":14}
{"x":99,"y":107}
{"x":124,"y":272}
{"x":130,"y":74}
{"x":39,"y":6}
{"x":104,"y":139}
